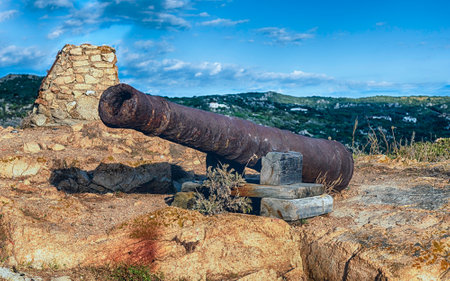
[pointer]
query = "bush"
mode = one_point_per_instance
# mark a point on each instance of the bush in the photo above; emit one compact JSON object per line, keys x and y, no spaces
{"x":218,"y":186}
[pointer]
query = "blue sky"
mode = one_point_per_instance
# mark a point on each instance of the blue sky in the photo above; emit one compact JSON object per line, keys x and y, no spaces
{"x":194,"y":47}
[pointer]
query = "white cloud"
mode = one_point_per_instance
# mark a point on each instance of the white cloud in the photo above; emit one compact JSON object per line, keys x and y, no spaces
{"x":222,"y":22}
{"x":14,"y":55}
{"x":92,"y":15}
{"x":282,"y":36}
{"x":204,"y":14}
{"x":174,"y":4}
{"x":381,"y":23}
{"x":6,"y":15}
{"x":165,"y":20}
{"x":41,"y":4}
{"x":55,"y":33}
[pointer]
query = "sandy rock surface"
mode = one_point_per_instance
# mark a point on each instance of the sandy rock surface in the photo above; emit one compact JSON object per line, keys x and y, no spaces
{"x":61,"y":215}
{"x":392,"y":224}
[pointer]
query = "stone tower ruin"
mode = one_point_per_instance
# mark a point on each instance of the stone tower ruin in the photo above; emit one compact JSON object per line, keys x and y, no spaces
{"x":71,"y":90}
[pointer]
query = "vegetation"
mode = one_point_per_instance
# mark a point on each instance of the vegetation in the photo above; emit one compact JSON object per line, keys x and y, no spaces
{"x":135,"y":273}
{"x":378,"y":142}
{"x":219,"y":183}
{"x":334,"y":118}
{"x":17,"y":95}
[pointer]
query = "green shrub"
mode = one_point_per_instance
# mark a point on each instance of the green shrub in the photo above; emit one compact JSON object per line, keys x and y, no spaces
{"x":219,"y":184}
{"x":134,"y":273}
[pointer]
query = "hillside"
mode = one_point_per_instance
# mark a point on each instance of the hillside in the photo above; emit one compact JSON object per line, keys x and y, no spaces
{"x":324,"y":117}
{"x":17,"y":95}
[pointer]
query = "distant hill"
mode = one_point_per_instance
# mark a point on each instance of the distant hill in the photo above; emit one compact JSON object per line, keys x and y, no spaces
{"x":17,"y":95}
{"x":427,"y":117}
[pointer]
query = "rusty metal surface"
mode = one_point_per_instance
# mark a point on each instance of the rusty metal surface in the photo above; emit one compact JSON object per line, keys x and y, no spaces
{"x":235,"y":139}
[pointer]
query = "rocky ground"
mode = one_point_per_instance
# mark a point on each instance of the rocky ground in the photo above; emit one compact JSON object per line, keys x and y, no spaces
{"x":77,"y":201}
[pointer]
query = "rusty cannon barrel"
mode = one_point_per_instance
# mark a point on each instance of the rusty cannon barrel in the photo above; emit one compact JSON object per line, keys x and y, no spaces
{"x":225,"y":139}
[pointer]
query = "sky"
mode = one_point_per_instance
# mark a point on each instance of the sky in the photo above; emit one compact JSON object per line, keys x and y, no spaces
{"x":342,"y":48}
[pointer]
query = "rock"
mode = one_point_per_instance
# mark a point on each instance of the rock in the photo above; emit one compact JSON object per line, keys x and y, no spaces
{"x":189,"y":186}
{"x":381,"y":232}
{"x":195,"y":247}
{"x":39,"y":119}
{"x":61,"y":278}
{"x":296,"y":209}
{"x":185,"y":200}
{"x":87,"y":107}
{"x":281,"y":168}
{"x":56,"y":147}
{"x":77,"y":127}
{"x":151,"y":178}
{"x":10,"y":275}
{"x":264,"y":274}
{"x":17,"y":167}
{"x":31,"y":147}
{"x":109,"y":57}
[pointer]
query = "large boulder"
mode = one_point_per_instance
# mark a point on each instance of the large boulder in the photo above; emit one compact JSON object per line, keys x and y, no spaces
{"x":185,"y":244}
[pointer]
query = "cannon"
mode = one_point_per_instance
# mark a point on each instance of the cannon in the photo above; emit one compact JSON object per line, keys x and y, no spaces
{"x":225,"y":139}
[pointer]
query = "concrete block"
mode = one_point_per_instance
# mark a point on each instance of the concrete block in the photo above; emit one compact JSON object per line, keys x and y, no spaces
{"x":291,"y":191}
{"x":280,"y":168}
{"x":296,"y":209}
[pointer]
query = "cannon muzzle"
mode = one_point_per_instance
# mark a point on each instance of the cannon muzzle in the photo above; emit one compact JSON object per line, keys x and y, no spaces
{"x":235,"y":140}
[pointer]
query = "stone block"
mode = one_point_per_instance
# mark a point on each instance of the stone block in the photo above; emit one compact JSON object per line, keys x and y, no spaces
{"x":39,"y":119}
{"x":80,"y":86}
{"x":82,"y":69}
{"x":76,"y":51}
{"x":98,"y":73}
{"x":70,"y":105}
{"x":96,"y":58}
{"x":291,"y":191}
{"x":80,"y":63}
{"x":90,"y":80}
{"x":190,"y":186}
{"x":109,"y":57}
{"x":79,"y":57}
{"x":280,"y":168}
{"x":296,"y":209}
{"x":102,"y":65}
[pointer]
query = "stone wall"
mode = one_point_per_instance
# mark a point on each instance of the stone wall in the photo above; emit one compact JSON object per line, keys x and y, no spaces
{"x":71,"y":90}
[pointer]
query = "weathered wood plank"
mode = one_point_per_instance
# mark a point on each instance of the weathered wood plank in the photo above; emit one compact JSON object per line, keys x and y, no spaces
{"x":291,"y":191}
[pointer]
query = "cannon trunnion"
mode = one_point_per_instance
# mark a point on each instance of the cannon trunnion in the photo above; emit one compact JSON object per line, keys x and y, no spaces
{"x":226,"y":139}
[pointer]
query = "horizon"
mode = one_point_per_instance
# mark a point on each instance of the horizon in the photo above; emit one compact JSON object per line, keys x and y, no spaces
{"x":181,"y":48}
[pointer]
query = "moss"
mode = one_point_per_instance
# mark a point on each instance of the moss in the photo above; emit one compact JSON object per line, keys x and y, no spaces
{"x":135,"y":273}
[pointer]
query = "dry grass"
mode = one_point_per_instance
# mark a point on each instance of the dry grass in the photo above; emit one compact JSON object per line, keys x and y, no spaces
{"x":329,"y":185}
{"x":220,"y":181}
{"x":380,"y":142}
